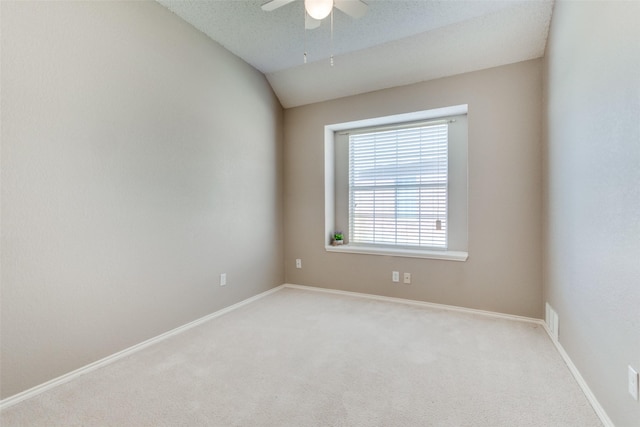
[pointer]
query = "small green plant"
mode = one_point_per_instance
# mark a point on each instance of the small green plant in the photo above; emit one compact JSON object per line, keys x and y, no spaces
{"x":338,"y":235}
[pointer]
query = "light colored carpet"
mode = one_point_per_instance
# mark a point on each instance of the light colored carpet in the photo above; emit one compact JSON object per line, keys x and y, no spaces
{"x":306,"y":358}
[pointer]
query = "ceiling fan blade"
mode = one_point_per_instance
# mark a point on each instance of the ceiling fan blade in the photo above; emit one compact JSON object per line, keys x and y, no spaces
{"x":310,"y":23}
{"x":353,"y":8}
{"x":274,"y":4}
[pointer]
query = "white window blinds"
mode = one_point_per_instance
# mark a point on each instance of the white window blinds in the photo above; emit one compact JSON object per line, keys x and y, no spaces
{"x":398,"y":186}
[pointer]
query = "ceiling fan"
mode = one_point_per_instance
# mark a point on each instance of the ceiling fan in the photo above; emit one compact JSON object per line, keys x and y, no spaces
{"x":317,"y":10}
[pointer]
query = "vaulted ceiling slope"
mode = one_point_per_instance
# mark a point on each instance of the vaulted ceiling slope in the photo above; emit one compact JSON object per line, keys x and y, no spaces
{"x":397,"y":42}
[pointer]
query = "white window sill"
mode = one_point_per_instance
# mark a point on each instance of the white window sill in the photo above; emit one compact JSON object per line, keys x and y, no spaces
{"x":408,"y":253}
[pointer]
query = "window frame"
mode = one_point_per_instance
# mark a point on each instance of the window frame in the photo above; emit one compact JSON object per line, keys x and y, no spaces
{"x":456,"y":253}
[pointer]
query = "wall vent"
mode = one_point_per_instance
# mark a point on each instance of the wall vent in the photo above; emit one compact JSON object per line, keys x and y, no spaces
{"x":551,"y":319}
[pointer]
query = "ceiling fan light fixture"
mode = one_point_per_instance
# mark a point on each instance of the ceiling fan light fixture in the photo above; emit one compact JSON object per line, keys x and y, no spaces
{"x":318,"y":9}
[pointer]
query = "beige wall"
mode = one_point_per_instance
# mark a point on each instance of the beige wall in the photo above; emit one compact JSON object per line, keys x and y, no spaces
{"x":503,"y":272}
{"x":139,"y":161}
{"x":592,"y":197}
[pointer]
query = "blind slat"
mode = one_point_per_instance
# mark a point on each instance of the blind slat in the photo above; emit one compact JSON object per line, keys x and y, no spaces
{"x":398,"y":186}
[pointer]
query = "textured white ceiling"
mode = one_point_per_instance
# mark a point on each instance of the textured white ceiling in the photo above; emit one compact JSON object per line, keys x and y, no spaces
{"x":397,"y":42}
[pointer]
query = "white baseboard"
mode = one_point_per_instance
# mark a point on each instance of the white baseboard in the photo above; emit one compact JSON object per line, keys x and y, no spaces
{"x":27,"y":394}
{"x":12,"y":400}
{"x":599,"y":410}
{"x":419,"y":303}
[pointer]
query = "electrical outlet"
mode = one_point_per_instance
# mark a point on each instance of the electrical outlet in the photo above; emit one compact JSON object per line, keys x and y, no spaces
{"x":223,"y":279}
{"x":395,"y":276}
{"x":633,"y":383}
{"x":298,"y":263}
{"x":407,"y":278}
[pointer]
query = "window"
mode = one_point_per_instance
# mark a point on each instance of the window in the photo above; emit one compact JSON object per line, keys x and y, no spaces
{"x":397,"y":185}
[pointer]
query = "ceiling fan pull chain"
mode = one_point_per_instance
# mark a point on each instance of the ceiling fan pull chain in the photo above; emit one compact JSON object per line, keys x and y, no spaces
{"x":331,"y":58}
{"x":304,"y":13}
